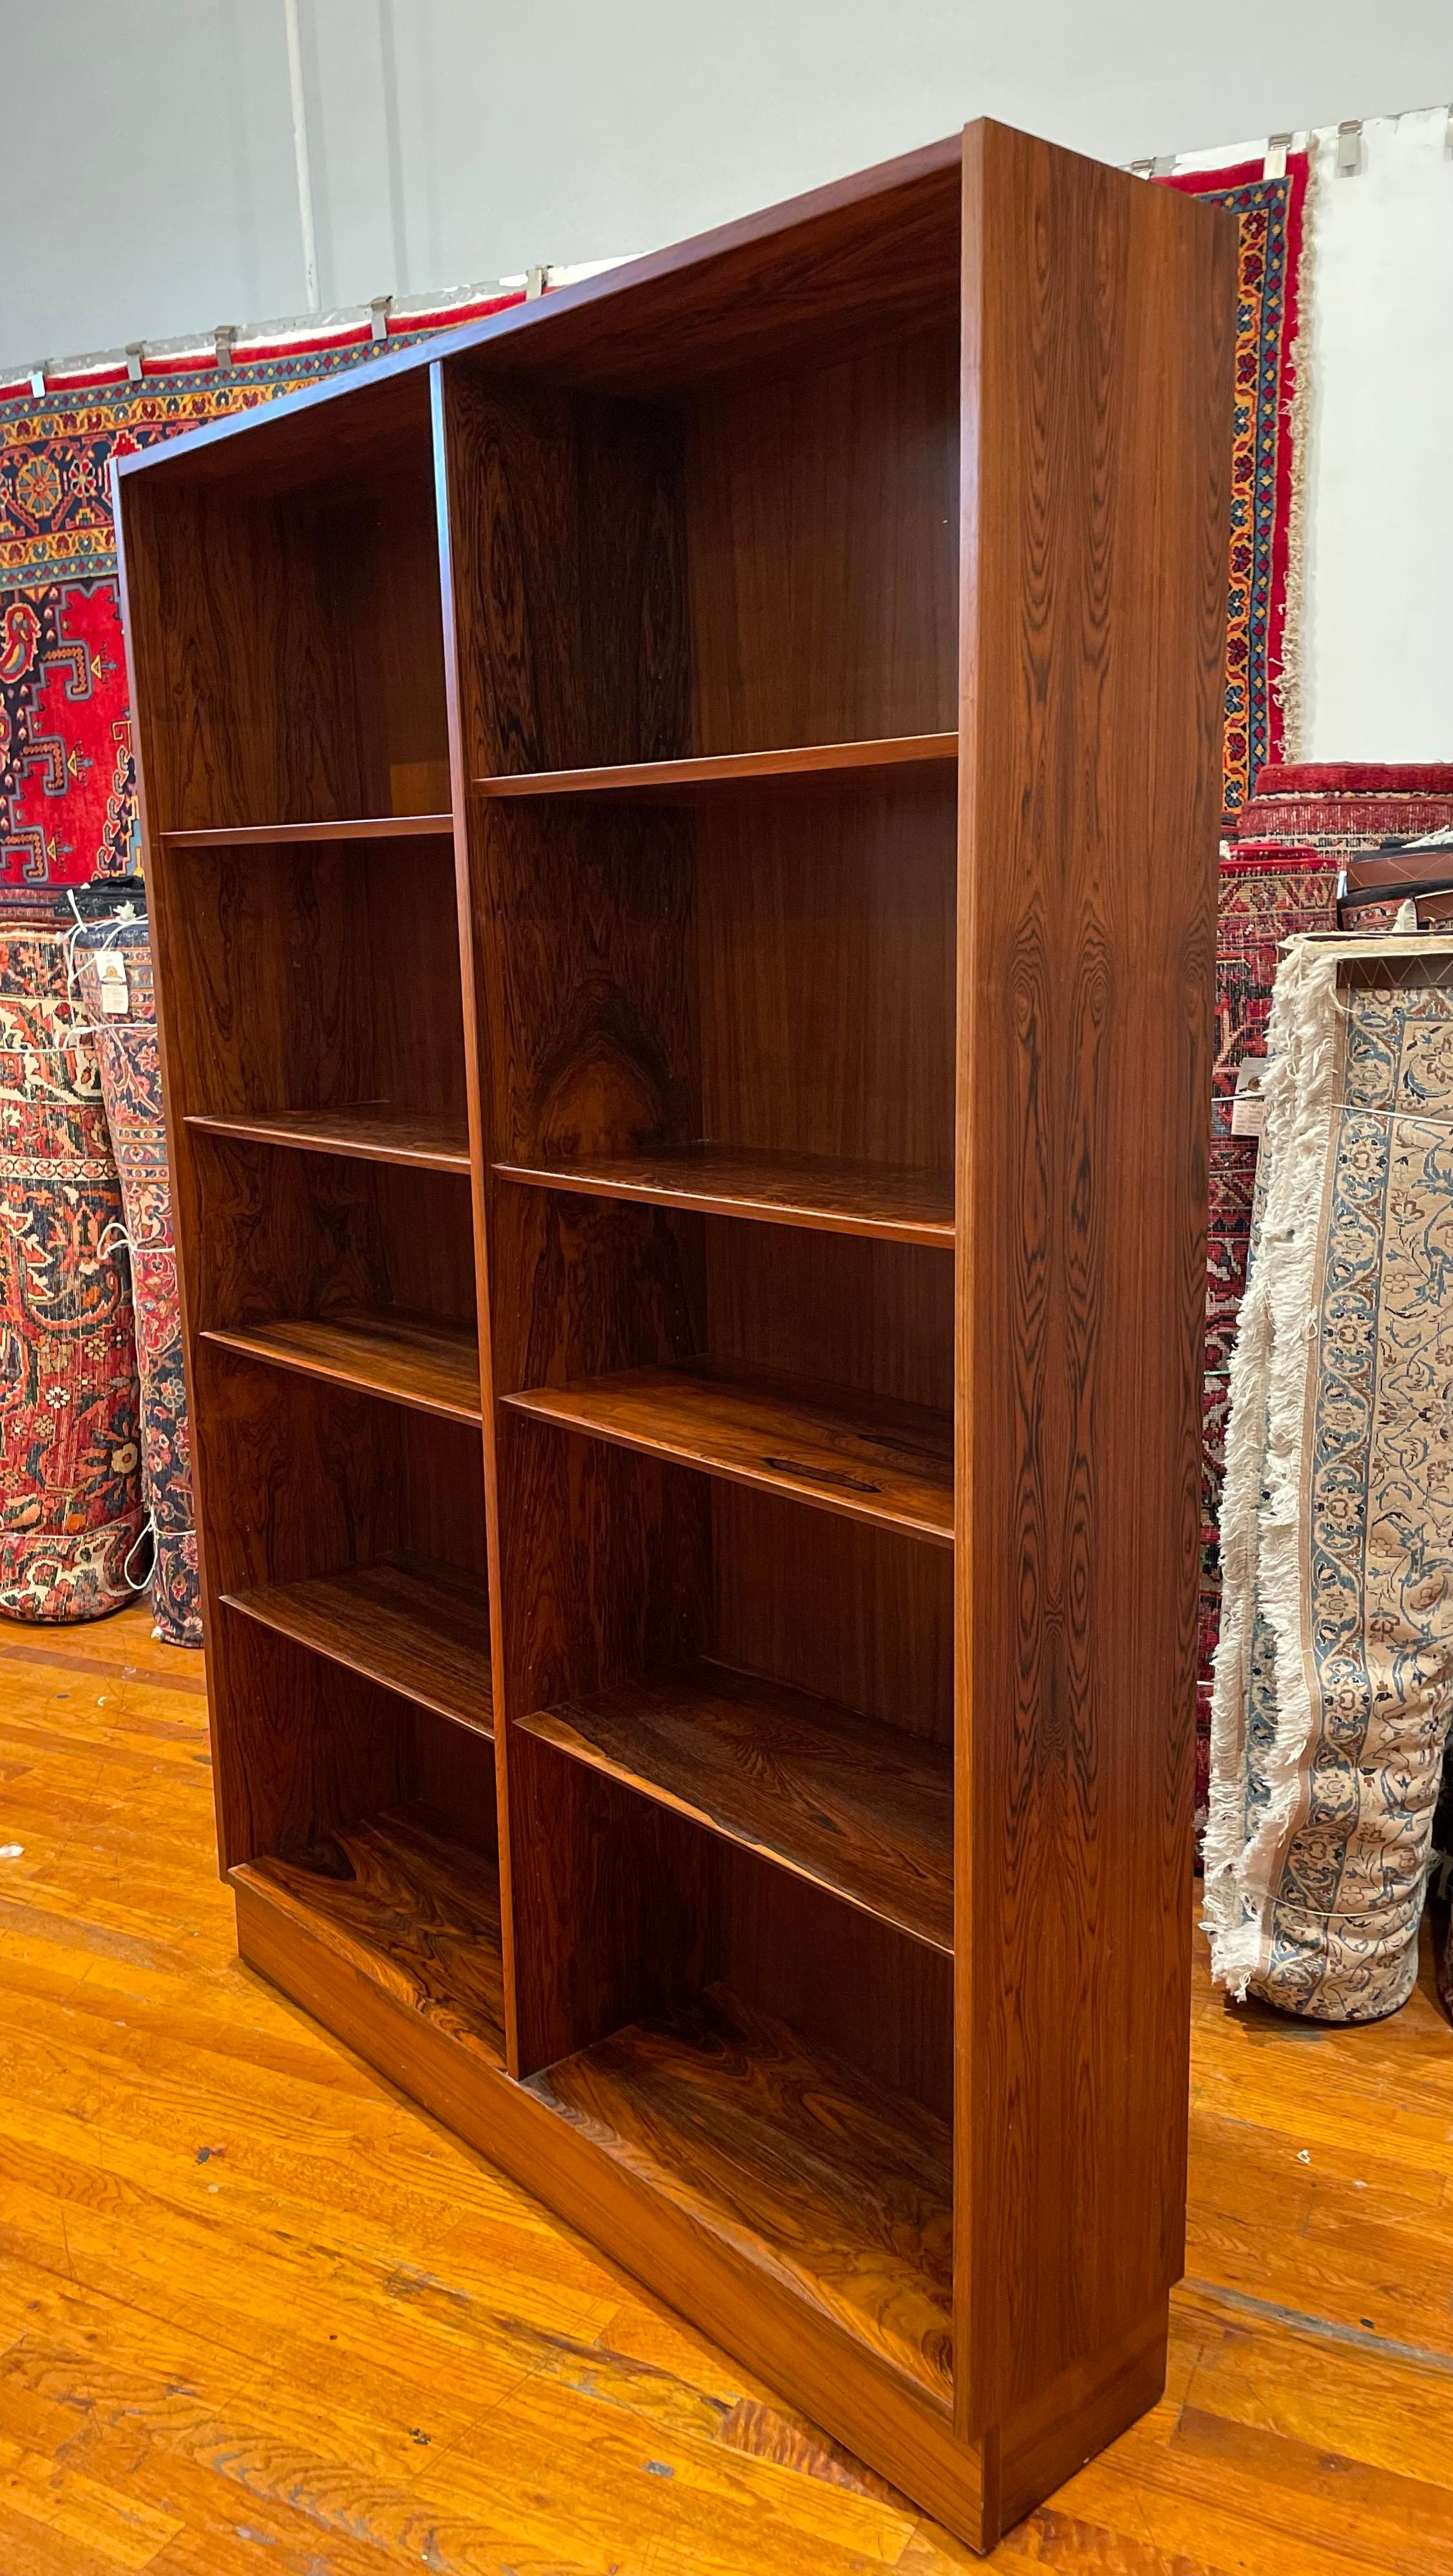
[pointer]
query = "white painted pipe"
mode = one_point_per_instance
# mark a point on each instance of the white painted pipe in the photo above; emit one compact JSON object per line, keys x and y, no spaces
{"x":302,"y":162}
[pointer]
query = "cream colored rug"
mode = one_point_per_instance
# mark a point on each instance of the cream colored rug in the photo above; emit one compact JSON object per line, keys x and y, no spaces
{"x":1334,"y":1676}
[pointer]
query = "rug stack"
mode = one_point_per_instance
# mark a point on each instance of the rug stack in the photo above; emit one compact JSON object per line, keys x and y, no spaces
{"x":1278,"y":879}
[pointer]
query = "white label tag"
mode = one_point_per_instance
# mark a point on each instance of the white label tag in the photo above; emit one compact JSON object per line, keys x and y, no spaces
{"x":111,"y":978}
{"x":1248,"y":1109}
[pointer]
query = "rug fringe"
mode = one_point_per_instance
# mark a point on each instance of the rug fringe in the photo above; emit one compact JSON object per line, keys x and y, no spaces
{"x":1262,"y":1511}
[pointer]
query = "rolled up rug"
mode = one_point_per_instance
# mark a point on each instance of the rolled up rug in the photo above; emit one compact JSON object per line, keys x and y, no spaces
{"x":114,"y":978}
{"x":71,"y":1512}
{"x":1334,"y":1674}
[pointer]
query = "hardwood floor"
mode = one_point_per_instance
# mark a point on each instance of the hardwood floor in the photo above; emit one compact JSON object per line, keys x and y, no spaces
{"x":257,"y":2314}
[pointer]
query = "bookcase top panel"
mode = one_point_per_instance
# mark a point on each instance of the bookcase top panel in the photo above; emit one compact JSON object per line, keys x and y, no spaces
{"x":815,"y":276}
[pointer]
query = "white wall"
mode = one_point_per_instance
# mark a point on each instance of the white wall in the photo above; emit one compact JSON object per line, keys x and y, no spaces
{"x":146,"y":171}
{"x":1378,"y":658}
{"x":147,"y":189}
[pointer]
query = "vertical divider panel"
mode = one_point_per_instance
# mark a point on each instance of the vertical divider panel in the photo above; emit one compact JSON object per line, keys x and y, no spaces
{"x":1097,"y":404}
{"x":569,"y":643}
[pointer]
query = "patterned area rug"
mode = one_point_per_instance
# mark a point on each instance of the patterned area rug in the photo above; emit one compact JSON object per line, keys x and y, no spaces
{"x":1271,"y":395}
{"x":1278,"y":879}
{"x":70,"y":1509}
{"x":114,"y":977}
{"x":1334,"y":1675}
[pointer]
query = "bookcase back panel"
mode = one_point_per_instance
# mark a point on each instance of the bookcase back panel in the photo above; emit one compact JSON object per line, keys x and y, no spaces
{"x":317,"y":977}
{"x":570,"y":595}
{"x":305,"y":1747}
{"x":824,"y":933}
{"x":874,"y":1316}
{"x":302,"y":1478}
{"x":822,"y":512}
{"x":584,"y":1286}
{"x":296,"y":1478}
{"x":856,"y":1987}
{"x":290,"y":1234}
{"x":585,"y":945}
{"x":858,"y":1616}
{"x":317,"y":1748}
{"x":293,"y":637}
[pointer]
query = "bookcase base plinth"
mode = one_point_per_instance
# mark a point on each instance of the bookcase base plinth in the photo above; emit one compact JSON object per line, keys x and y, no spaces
{"x":975,"y":2488}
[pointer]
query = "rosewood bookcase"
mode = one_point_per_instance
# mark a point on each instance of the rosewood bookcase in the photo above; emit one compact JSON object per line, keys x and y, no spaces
{"x":681,"y":825}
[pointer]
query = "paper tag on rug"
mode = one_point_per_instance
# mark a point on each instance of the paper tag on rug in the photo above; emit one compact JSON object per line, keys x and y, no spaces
{"x":111,"y":983}
{"x":1248,"y":1109}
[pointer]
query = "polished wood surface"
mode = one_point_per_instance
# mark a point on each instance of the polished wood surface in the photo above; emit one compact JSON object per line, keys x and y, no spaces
{"x":802,"y":2166}
{"x":776,"y":1188}
{"x":411,"y":1359}
{"x":361,"y":827}
{"x":288,"y":692}
{"x":375,"y":1131}
{"x":923,"y":477}
{"x":673,"y":779}
{"x":822,"y":538}
{"x":863,"y":1811}
{"x":866,"y":1456}
{"x":406,"y":1907}
{"x":1089,"y":839}
{"x":416,"y":1629}
{"x":255,"y":2310}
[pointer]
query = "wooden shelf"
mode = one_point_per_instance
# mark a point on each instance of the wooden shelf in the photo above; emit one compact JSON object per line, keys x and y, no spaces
{"x":858,"y":1808}
{"x":419,"y":1629}
{"x":405,"y":1907}
{"x":803,"y":2166}
{"x":828,"y":764}
{"x":360,"y":827}
{"x":816,"y":1190}
{"x":375,"y":1131}
{"x":865,"y":1456}
{"x":411,"y":1359}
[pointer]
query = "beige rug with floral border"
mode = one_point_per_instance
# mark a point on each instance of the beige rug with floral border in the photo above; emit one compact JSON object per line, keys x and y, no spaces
{"x":1334,"y":1675}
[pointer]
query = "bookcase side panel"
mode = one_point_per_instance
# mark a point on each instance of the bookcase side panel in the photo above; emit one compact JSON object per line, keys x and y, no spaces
{"x":1096,"y":441}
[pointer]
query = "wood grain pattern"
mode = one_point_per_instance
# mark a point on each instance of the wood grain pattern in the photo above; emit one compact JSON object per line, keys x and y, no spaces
{"x":799,"y":2163}
{"x":677,"y":780}
{"x":339,"y":573}
{"x":416,"y":1629}
{"x":828,"y":1446}
{"x":410,"y":1359}
{"x":824,"y":933}
{"x":822,"y":542}
{"x":842,"y":1801}
{"x":315,"y":978}
{"x":863,"y":1616}
{"x":1097,"y":349}
{"x":774,"y":1188}
{"x":744,"y":497}
{"x":376,"y":1131}
{"x":406,"y":1907}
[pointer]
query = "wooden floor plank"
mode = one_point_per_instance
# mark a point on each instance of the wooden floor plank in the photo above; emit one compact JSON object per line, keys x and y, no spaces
{"x":256,"y":2312}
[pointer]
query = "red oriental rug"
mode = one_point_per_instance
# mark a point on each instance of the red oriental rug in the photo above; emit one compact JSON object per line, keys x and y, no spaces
{"x":1265,"y":588}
